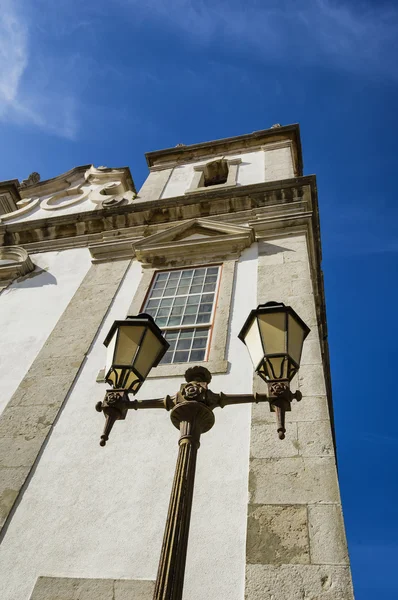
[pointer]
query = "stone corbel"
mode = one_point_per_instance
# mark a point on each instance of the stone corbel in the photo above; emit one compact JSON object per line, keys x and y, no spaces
{"x":14,"y":262}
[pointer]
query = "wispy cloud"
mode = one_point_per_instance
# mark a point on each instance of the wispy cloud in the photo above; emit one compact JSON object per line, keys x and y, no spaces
{"x":352,"y":36}
{"x":37,"y":89}
{"x":21,"y":101}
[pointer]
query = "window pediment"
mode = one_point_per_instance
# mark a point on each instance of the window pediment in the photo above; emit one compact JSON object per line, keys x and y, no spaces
{"x":194,"y":241}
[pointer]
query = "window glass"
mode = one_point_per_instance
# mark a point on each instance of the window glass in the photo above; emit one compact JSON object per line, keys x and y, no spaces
{"x":182,"y":304}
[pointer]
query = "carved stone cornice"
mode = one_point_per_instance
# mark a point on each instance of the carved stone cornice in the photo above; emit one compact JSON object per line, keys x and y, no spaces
{"x":181,"y":154}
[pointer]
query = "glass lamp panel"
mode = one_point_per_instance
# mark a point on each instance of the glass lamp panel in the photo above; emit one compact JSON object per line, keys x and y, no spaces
{"x":253,"y":343}
{"x":148,"y":353}
{"x":132,"y":381}
{"x":110,"y":352}
{"x":273,"y":332}
{"x":278,"y":367}
{"x":111,"y":377}
{"x":295,"y":339}
{"x":129,"y":338}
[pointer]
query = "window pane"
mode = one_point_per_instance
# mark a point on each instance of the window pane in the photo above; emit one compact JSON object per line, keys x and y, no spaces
{"x":173,"y":321}
{"x":197,"y":355}
{"x":189,"y":320}
{"x":157,"y":293}
{"x":162,"y":276}
{"x":199,"y":343}
{"x":212,"y":270}
{"x":181,"y":356}
{"x":166,"y":302}
{"x":167,"y":358}
{"x":209,"y":287}
{"x":185,"y":333}
{"x":174,"y":275}
{"x":184,"y":344}
{"x":203,"y":318}
{"x":195,"y":289}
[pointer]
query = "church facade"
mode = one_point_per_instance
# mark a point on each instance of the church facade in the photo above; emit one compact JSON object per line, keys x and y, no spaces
{"x":217,"y":229}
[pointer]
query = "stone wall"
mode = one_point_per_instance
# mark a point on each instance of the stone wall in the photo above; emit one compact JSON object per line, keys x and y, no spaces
{"x":296,"y":545}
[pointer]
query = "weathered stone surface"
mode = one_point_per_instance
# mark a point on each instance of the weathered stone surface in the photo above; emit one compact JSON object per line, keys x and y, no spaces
{"x":315,"y":439}
{"x":25,"y":450}
{"x":327,"y":535}
{"x":305,"y":307}
{"x":298,"y":480}
{"x":298,"y":582}
{"x":35,"y":390}
{"x":277,"y":535}
{"x":312,"y":380}
{"x":11,"y":481}
{"x":134,"y":589}
{"x":311,"y":408}
{"x":265,"y":443}
{"x":19,"y":420}
{"x":66,"y":588}
{"x":311,"y":353}
{"x":275,"y":282}
{"x":154,"y":185}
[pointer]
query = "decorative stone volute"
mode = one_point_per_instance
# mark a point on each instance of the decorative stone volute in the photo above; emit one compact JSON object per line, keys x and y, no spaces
{"x":14,"y":262}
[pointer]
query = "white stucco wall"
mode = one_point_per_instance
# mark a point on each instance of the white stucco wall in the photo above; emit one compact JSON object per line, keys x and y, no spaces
{"x":30,"y":308}
{"x":256,"y":167}
{"x":100,"y":512}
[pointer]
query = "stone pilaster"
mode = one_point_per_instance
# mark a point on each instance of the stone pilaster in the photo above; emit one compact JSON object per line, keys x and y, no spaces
{"x":29,"y":417}
{"x":296,"y":544}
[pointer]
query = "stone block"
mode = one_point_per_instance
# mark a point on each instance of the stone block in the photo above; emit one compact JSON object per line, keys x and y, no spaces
{"x":277,"y":535}
{"x":28,"y":421}
{"x":107,"y":273}
{"x":276,"y":282}
{"x":67,"y":588}
{"x":265,"y":443}
{"x":312,"y":380}
{"x":315,"y":439}
{"x":297,"y":253}
{"x":302,"y":286}
{"x":297,"y":480}
{"x":327,"y":535}
{"x":134,"y":589}
{"x":311,"y":352}
{"x":311,"y":408}
{"x":154,"y":185}
{"x":45,"y":366}
{"x":11,"y":481}
{"x":304,"y":306}
{"x":298,"y":582}
{"x":20,"y":450}
{"x":43,"y":390}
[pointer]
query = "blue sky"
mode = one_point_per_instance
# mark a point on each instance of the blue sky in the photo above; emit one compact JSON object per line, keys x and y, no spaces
{"x":103,"y":82}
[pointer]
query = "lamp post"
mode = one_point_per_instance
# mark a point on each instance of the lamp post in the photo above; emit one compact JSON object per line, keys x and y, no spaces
{"x":274,"y":335}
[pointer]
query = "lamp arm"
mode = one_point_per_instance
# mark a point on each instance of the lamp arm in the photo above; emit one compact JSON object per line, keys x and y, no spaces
{"x":228,"y":399}
{"x":167,"y":403}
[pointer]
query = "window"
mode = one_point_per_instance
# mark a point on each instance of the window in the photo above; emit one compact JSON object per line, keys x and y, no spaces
{"x":182,"y":304}
{"x":215,"y":173}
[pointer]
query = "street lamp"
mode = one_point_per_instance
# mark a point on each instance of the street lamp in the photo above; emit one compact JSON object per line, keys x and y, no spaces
{"x":274,"y":335}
